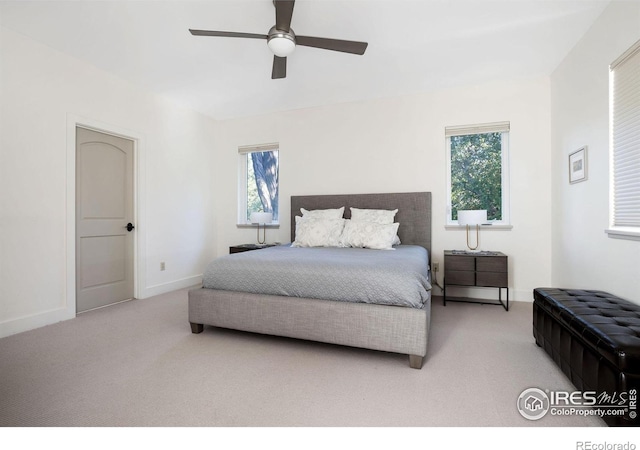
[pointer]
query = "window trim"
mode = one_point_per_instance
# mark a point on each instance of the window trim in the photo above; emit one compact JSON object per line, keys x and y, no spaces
{"x":243,"y":152}
{"x":629,"y":232}
{"x":623,"y":233}
{"x":494,"y":127}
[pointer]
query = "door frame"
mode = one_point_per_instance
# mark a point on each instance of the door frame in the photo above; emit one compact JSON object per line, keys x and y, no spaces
{"x":139,"y":255}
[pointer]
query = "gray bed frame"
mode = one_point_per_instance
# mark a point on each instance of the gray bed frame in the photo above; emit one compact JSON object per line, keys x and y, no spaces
{"x":377,"y":327}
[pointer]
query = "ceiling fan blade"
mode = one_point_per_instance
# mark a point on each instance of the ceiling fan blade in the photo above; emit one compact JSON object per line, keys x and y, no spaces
{"x":337,"y":45}
{"x":227,"y":34}
{"x":279,"y":68}
{"x":284,"y":12}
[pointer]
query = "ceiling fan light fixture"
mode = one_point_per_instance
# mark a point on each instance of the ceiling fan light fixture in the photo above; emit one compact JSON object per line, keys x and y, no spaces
{"x":282,"y":40}
{"x":281,"y":44}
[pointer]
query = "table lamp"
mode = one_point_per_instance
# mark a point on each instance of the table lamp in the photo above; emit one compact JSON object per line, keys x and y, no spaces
{"x":472,"y":217}
{"x":261,"y":218}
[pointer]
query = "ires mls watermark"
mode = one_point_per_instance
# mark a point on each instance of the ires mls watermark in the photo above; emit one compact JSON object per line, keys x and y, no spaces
{"x":534,"y":403}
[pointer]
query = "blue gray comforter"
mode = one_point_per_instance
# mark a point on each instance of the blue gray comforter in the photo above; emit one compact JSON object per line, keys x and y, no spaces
{"x":399,"y":277}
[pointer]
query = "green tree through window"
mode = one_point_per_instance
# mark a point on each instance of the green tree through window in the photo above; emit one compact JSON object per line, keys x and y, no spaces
{"x":476,"y":174}
{"x":262,"y":183}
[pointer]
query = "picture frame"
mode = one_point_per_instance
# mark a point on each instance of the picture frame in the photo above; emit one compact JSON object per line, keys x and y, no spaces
{"x":578,"y":165}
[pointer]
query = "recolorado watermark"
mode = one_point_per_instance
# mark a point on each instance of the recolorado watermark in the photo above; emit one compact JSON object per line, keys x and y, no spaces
{"x":588,"y":445}
{"x":534,"y":404}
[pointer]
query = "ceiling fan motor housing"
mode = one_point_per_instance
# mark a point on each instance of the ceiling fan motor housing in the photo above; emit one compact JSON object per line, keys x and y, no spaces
{"x":281,"y":43}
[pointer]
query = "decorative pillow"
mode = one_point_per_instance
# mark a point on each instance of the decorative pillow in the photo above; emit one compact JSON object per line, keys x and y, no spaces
{"x":382,"y":216}
{"x":369,"y":235}
{"x":323,"y":213}
{"x":318,"y":232}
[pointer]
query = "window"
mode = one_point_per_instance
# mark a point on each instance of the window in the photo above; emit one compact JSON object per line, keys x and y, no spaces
{"x":624,"y":95}
{"x":478,"y":171}
{"x":258,"y":181}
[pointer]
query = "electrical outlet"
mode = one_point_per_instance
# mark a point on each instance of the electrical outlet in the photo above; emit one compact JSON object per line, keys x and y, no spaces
{"x":162,"y":266}
{"x":436,"y":266}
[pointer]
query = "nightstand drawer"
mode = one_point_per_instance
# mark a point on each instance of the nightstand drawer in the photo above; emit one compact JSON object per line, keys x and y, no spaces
{"x":493,"y":264}
{"x":460,"y":277}
{"x":491,"y":279}
{"x":459,"y":263}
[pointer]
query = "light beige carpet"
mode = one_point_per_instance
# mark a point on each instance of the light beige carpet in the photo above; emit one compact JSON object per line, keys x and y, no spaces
{"x":137,"y":364}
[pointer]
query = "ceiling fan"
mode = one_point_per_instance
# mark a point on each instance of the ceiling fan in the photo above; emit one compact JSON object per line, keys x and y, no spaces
{"x":282,"y":40}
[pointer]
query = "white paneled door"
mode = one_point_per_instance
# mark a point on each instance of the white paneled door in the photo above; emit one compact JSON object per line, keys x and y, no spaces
{"x":104,"y":219}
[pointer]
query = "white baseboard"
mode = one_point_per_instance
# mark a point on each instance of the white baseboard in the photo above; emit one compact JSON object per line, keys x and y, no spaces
{"x":38,"y":320}
{"x":171,"y":286}
{"x":515,"y":295}
{"x":523,"y":296}
{"x":31,"y":322}
{"x":26,"y":323}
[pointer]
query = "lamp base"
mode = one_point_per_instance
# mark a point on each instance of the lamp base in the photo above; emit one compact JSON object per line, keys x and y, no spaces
{"x":264,"y":235}
{"x":474,"y":249}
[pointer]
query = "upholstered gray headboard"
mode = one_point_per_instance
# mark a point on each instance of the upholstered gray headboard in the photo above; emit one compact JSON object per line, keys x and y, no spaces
{"x":414,"y":211}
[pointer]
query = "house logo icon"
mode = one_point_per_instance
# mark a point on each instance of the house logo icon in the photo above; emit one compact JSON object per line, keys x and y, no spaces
{"x":533,"y":404}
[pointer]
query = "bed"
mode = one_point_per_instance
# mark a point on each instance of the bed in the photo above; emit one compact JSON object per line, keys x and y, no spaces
{"x":384,"y":327}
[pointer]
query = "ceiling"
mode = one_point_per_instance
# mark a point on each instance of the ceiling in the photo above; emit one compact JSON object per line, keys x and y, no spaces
{"x":414,"y":46}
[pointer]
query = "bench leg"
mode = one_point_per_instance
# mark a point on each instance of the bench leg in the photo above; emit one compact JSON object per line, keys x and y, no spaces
{"x":196,"y":327}
{"x":415,"y":361}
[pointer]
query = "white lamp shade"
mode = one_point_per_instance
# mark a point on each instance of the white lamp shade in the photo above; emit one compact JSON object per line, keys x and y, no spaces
{"x":472,"y":217}
{"x":261,"y":217}
{"x":281,"y":46}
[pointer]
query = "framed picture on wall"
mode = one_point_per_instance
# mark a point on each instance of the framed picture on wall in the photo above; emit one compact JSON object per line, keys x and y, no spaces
{"x":578,"y":165}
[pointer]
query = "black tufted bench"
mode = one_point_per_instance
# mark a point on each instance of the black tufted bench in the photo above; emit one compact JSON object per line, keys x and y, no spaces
{"x":595,"y":339}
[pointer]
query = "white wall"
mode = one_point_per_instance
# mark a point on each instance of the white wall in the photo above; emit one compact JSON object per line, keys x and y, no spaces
{"x":398,"y":145}
{"x":583,"y":255}
{"x":40,"y":90}
{"x":385,"y":145}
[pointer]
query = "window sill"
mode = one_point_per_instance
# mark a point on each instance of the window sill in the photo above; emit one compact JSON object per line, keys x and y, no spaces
{"x":630,"y":233}
{"x":255,"y":225}
{"x":482,"y":227}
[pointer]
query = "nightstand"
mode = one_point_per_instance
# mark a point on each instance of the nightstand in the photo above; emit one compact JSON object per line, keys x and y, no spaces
{"x":248,"y":247}
{"x":477,"y":269}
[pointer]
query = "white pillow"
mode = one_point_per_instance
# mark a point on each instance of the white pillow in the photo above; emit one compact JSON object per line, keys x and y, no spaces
{"x":323,"y":213}
{"x":382,"y":216}
{"x":318,"y":232}
{"x":369,"y":235}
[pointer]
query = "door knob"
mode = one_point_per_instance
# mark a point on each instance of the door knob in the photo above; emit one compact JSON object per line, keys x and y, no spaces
{"x":129,"y":226}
